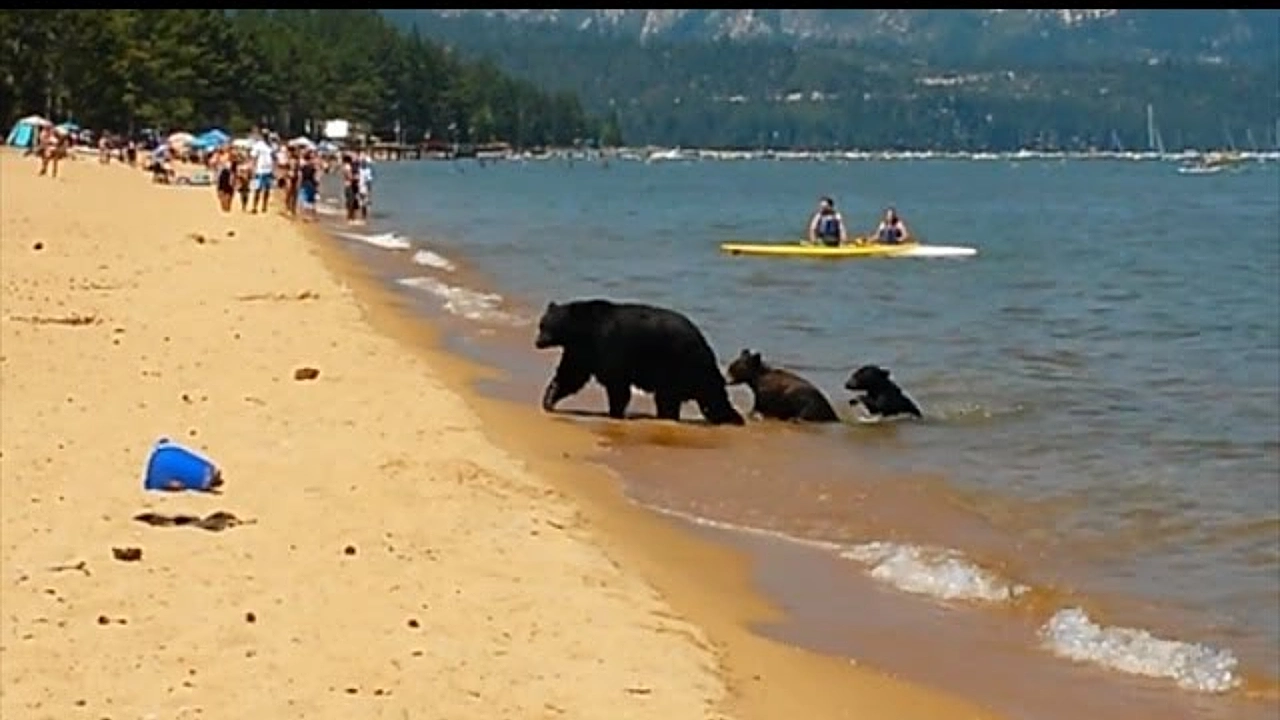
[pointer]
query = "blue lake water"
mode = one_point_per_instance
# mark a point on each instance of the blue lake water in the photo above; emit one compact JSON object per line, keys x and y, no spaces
{"x":1111,"y":357}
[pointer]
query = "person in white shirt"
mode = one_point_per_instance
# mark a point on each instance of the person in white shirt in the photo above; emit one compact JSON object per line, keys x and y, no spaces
{"x":264,"y":172}
{"x":365,"y":183}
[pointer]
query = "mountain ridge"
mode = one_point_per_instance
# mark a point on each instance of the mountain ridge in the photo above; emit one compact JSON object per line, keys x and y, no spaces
{"x":1206,"y":35}
{"x":900,"y":79}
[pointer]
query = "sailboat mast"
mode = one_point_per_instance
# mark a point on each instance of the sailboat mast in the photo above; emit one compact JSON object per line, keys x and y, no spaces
{"x":1151,"y":127}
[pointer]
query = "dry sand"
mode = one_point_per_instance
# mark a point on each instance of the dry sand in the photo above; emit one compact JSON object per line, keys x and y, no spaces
{"x":397,"y":563}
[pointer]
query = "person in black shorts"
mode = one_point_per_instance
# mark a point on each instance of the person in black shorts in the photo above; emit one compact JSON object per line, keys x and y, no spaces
{"x":351,"y":187}
{"x":308,"y":186}
{"x":226,"y":184}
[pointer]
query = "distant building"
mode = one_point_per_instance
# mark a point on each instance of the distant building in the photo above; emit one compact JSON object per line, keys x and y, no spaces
{"x":336,"y":129}
{"x":345,"y":131}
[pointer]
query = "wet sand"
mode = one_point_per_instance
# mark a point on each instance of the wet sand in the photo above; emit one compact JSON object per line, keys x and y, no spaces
{"x":824,"y":485}
{"x":751,"y":478}
{"x":409,"y":548}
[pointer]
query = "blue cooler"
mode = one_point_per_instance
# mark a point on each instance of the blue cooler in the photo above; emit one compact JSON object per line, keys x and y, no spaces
{"x":173,"y":467}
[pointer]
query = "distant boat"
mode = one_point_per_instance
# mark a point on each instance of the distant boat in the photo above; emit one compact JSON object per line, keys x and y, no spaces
{"x":1223,"y":159}
{"x":670,"y":155}
{"x":1200,"y":169}
{"x":1212,"y":163}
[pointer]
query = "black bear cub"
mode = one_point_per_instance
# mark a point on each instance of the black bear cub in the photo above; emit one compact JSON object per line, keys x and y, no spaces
{"x":881,"y":396}
{"x":630,"y":344}
{"x":780,"y":394}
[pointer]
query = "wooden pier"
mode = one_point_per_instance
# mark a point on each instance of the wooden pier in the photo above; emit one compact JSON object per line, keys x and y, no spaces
{"x":392,"y":151}
{"x":435,"y":150}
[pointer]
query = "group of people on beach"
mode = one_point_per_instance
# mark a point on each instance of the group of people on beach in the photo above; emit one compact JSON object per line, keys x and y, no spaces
{"x":266,"y":164}
{"x":53,"y":144}
{"x":112,"y":146}
{"x":826,"y":227}
{"x":253,"y":172}
{"x":249,"y":171}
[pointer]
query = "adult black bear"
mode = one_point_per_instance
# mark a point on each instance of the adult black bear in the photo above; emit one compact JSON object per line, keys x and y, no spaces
{"x":881,"y":396}
{"x":629,"y":344}
{"x":780,"y":394}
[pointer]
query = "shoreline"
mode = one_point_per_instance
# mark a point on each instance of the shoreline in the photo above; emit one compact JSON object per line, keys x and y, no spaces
{"x":812,"y":590}
{"x":194,"y":330}
{"x":1106,"y":614}
{"x":710,"y":581}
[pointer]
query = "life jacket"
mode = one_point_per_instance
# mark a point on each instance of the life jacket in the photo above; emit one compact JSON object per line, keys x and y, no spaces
{"x":828,"y":225}
{"x":891,"y":233}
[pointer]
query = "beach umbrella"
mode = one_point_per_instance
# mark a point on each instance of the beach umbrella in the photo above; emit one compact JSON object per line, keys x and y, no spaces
{"x":68,"y":127}
{"x":210,"y":140}
{"x":302,"y":141}
{"x":34,"y":120}
{"x":215,"y":136}
{"x":181,"y":139}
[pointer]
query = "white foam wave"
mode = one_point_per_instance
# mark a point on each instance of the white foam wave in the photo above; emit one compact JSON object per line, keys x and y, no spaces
{"x":946,"y":575}
{"x":1072,"y":634}
{"x":744,"y":529}
{"x":865,"y":419}
{"x":465,"y":302}
{"x":936,"y":572}
{"x":431,"y":259}
{"x":386,"y":241}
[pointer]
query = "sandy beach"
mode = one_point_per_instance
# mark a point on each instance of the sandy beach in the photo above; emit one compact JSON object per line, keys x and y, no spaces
{"x":407,"y":550}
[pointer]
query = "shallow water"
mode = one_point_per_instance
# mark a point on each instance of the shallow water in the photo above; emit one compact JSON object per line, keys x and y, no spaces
{"x":1101,"y":384}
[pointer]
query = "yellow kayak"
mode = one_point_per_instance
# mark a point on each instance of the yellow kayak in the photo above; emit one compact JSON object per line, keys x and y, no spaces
{"x":867,"y":250}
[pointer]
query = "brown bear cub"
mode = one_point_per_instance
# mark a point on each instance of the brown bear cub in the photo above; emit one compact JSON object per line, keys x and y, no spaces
{"x":779,"y":394}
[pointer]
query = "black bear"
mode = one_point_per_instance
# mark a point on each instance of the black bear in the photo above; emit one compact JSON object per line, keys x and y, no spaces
{"x":629,"y":344}
{"x":881,"y":396}
{"x":779,"y":394}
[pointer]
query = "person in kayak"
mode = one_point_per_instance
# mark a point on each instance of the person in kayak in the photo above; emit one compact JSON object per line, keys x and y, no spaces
{"x":892,"y":231}
{"x":826,"y":227}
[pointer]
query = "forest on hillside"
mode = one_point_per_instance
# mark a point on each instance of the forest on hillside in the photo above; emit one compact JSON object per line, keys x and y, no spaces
{"x":762,"y":93}
{"x":290,"y":69}
{"x":1016,"y":39}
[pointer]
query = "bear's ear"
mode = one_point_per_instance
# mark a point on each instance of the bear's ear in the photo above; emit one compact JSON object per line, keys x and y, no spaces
{"x":756,"y":358}
{"x":745,"y":354}
{"x":882,"y":372}
{"x":552,"y":306}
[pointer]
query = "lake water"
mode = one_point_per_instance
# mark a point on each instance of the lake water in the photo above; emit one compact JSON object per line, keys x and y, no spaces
{"x":1101,"y":384}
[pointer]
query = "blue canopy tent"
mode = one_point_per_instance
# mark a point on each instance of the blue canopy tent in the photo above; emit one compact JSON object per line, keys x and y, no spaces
{"x":210,"y":140}
{"x":26,"y":131}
